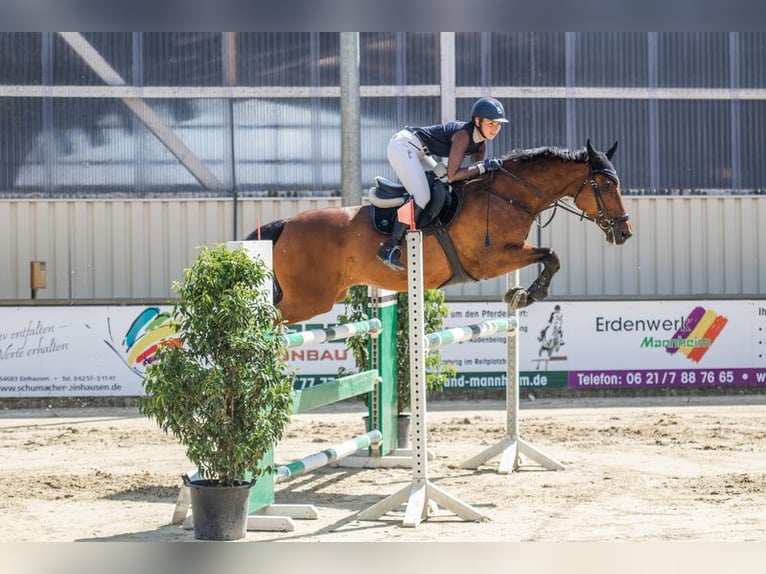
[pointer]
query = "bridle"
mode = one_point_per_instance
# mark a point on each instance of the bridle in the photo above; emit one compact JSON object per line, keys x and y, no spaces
{"x":606,"y":223}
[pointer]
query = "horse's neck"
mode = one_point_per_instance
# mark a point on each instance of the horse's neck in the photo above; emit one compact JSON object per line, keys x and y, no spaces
{"x":539,"y":185}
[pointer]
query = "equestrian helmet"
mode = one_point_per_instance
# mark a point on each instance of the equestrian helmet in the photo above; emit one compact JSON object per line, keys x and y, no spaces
{"x":489,"y":108}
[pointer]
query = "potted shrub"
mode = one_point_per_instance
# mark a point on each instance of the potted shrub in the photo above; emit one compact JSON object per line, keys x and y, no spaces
{"x":437,"y":372}
{"x":223,"y":387}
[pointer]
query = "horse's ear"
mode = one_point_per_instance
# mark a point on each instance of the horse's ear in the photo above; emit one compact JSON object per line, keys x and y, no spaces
{"x":611,"y":150}
{"x":591,"y":151}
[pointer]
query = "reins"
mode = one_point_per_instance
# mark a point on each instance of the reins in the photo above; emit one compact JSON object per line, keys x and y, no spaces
{"x":487,"y":187}
{"x":534,"y":217}
{"x":554,"y":204}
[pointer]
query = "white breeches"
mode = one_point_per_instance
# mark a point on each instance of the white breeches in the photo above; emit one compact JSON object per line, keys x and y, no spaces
{"x":406,"y":156}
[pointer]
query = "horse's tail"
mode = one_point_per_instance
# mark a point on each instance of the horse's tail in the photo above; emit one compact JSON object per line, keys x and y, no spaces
{"x":269,"y":232}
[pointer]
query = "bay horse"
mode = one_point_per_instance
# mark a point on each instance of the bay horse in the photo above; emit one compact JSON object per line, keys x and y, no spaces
{"x":320,"y":253}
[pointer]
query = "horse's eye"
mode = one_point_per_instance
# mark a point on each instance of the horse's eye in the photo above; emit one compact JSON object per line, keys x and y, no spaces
{"x":608,"y":185}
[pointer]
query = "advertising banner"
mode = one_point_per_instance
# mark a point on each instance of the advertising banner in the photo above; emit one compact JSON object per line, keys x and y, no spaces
{"x":623,"y":344}
{"x":71,"y":351}
{"x":77,"y":351}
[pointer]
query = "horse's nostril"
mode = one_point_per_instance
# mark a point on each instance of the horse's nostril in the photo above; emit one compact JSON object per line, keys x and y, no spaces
{"x":624,"y":235}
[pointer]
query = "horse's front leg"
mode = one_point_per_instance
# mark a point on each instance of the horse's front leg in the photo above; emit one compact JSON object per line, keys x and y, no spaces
{"x":519,"y":297}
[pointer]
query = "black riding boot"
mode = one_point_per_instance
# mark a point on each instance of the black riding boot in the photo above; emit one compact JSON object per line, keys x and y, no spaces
{"x":391,"y":251}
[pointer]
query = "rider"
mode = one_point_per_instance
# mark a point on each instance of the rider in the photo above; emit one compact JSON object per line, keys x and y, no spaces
{"x":409,"y":154}
{"x":554,"y":326}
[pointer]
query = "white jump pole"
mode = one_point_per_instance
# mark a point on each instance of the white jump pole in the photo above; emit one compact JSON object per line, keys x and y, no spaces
{"x":421,"y":496}
{"x":372,"y":327}
{"x":512,"y":446}
{"x":327,"y":456}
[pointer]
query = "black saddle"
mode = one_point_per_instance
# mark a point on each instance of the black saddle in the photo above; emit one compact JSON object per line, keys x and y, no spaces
{"x":445,"y":205}
{"x":388,"y":196}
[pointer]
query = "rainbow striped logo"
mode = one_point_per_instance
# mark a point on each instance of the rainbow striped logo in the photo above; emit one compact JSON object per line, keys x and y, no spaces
{"x":150,"y":330}
{"x":700,"y":329}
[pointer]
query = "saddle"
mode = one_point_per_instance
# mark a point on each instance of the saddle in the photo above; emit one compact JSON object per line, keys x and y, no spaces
{"x":446,"y":202}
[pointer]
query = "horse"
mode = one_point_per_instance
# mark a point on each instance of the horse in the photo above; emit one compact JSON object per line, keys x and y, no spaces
{"x":320,"y":253}
{"x":551,"y":337}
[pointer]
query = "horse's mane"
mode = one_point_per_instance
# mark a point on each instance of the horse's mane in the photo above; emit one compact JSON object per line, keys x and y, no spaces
{"x":564,"y":154}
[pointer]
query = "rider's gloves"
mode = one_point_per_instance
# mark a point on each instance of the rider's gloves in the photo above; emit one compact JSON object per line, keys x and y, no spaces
{"x":489,"y":165}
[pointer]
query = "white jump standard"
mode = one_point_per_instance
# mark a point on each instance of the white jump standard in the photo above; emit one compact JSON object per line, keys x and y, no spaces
{"x":512,"y":446}
{"x":422,"y":496}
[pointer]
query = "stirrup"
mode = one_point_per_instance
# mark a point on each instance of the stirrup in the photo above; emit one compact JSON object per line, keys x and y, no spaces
{"x":390,"y":257}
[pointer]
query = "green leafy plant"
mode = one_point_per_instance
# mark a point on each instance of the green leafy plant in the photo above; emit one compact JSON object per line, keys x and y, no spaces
{"x":224,"y":389}
{"x":435,"y":309}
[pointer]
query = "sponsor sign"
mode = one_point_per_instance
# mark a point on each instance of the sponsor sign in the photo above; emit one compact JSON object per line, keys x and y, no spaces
{"x":627,"y":344}
{"x":104,"y":350}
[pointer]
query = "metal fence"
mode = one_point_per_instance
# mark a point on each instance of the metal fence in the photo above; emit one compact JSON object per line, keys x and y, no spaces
{"x":159,"y":113}
{"x":134,"y":249}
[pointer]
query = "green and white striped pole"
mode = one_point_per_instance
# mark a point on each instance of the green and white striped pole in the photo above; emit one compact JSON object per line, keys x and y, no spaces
{"x":459,"y":334}
{"x":325,"y":457}
{"x":316,"y":336}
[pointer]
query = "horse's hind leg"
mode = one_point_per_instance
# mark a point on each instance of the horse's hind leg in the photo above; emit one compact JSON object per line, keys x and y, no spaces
{"x":518,"y":297}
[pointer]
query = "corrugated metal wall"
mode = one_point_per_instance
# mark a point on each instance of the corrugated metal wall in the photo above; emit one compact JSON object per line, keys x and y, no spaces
{"x":120,"y":249}
{"x":683,"y":246}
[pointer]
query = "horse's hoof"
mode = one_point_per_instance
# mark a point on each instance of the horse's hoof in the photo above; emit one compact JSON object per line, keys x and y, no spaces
{"x":516,"y":298}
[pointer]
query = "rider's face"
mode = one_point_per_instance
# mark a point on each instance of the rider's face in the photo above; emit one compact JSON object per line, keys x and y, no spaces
{"x":490,"y":128}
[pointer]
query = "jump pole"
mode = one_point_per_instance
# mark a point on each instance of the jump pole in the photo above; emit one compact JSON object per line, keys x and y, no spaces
{"x":278,"y":517}
{"x":422,"y":496}
{"x":327,"y":456}
{"x":371,"y":327}
{"x":383,"y":401}
{"x":512,"y":446}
